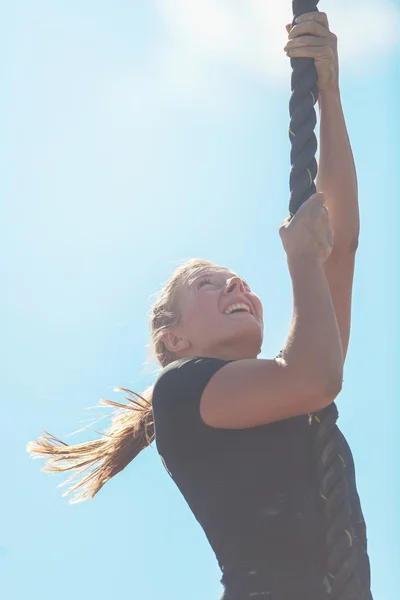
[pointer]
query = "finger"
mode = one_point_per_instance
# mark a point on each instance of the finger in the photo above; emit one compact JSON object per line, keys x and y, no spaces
{"x":318,"y":213}
{"x":318,"y":198}
{"x":319,"y":17}
{"x":315,"y":201}
{"x":307,"y":40}
{"x":310,"y":27}
{"x":323,"y":212}
{"x":316,"y":52}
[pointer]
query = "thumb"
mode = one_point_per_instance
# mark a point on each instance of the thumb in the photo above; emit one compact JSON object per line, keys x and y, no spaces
{"x":318,"y":198}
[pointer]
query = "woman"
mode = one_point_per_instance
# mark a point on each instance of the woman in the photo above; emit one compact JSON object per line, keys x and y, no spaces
{"x":233,"y":430}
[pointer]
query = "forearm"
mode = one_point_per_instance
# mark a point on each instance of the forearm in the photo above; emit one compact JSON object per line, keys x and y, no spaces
{"x":337,"y":177}
{"x":313,"y":345}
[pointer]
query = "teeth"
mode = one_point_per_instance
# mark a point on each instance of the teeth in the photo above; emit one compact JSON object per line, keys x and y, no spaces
{"x":233,"y":307}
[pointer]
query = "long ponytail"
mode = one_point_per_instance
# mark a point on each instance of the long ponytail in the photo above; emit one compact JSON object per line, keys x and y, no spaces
{"x":131,"y":430}
{"x":132,"y":426}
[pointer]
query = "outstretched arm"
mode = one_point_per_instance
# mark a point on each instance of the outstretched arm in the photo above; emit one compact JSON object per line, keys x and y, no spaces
{"x":337,"y":178}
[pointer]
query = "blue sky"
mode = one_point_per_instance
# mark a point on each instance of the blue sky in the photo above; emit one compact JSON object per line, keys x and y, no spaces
{"x":133,"y":137}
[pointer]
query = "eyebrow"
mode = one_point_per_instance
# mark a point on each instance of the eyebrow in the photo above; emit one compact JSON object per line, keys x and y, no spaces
{"x":206,"y":273}
{"x":215,"y":273}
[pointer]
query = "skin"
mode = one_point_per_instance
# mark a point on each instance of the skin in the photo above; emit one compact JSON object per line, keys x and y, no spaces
{"x":337,"y":177}
{"x":204,"y":330}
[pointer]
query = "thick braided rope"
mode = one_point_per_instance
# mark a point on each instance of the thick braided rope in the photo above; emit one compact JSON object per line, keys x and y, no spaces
{"x":347,"y":565}
{"x":302,"y":121}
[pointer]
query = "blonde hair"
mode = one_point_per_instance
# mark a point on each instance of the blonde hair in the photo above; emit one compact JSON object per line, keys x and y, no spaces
{"x":132,"y":426}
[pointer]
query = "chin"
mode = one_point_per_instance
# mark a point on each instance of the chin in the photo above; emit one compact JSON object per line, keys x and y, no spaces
{"x":249,"y":336}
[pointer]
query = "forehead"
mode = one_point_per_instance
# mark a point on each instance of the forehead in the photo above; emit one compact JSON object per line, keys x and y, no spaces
{"x":211,"y":271}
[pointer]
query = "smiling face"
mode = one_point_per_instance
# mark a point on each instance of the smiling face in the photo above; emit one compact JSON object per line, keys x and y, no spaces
{"x":219,"y":317}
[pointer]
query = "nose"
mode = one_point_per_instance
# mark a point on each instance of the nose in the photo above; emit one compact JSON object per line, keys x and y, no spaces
{"x":234,"y":284}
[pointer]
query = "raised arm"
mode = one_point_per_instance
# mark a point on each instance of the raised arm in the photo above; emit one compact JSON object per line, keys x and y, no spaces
{"x":308,"y":375}
{"x":337,"y":177}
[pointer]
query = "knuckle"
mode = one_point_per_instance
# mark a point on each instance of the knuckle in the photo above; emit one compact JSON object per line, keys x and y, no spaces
{"x":324,"y":19}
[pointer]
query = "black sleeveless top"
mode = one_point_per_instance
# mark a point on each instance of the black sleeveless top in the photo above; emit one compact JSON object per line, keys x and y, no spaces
{"x":252,"y":490}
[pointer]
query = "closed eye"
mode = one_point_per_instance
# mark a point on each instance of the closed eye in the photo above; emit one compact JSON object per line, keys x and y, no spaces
{"x":202,"y":282}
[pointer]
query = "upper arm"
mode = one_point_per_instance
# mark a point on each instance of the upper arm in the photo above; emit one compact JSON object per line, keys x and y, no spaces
{"x":176,"y":397}
{"x":253,"y":392}
{"x":339,"y":270}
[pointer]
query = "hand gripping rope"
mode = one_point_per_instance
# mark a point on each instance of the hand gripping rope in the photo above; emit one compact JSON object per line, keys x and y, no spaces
{"x":347,"y":574}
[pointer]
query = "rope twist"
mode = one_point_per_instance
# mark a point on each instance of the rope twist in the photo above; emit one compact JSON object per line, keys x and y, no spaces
{"x":347,"y":564}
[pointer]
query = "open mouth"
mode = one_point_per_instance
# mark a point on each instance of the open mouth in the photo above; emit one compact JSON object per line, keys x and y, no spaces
{"x":238,"y":307}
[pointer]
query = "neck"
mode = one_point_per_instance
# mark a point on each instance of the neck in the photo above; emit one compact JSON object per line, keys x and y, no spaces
{"x":226,"y":353}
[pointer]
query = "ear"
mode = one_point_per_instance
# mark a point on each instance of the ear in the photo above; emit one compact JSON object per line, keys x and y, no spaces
{"x":173,"y":342}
